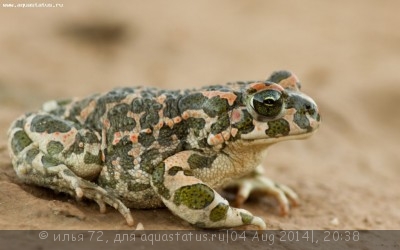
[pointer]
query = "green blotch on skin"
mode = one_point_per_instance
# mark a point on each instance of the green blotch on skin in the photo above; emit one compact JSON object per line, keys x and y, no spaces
{"x":302,"y":120}
{"x":171,"y":105}
{"x":250,"y":91}
{"x":20,"y":141}
{"x":198,"y":161}
{"x":188,"y":173}
{"x":119,"y":119}
{"x":92,"y":159}
{"x":221,"y":124}
{"x":300,"y":117}
{"x":31,"y":154}
{"x":192,"y":101}
{"x":203,"y":143}
{"x":196,"y":124}
{"x":137,"y":106}
{"x":196,"y":196}
{"x":146,"y":139}
{"x":151,"y":115}
{"x":158,"y":180}
{"x":215,"y":106}
{"x":164,"y":136}
{"x":49,"y":124}
{"x":54,"y":147}
{"x":246,"y":218}
{"x":49,"y":161}
{"x":278,"y":76}
{"x":278,"y":127}
{"x":19,"y":123}
{"x":219,"y":212}
{"x":174,"y":170}
{"x":148,"y":157}
{"x":245,"y":125}
{"x":180,"y":130}
{"x":137,"y":187}
{"x":91,"y":138}
{"x":120,"y":151}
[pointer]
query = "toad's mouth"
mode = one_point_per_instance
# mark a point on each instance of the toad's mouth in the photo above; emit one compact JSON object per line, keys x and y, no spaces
{"x":273,"y":140}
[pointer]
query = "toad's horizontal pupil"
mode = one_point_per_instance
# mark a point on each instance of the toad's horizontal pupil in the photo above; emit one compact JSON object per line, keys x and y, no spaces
{"x":267,"y":104}
{"x":268,"y":101}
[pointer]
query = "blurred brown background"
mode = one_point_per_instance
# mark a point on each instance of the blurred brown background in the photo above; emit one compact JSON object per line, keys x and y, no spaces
{"x":347,"y":54}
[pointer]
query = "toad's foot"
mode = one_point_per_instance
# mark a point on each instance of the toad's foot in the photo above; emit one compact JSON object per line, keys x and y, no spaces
{"x":92,"y":191}
{"x":66,"y":181}
{"x":258,"y":183}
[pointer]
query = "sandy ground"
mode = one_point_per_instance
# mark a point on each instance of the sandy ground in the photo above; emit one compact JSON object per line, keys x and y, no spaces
{"x":347,"y":54}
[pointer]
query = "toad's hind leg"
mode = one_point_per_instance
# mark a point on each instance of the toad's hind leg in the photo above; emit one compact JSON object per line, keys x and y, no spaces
{"x":193,"y":200}
{"x":54,"y":153}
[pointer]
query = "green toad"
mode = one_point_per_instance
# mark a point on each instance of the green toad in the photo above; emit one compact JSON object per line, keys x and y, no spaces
{"x":146,"y":148}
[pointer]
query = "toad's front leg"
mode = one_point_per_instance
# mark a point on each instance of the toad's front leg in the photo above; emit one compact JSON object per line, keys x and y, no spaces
{"x":193,"y":200}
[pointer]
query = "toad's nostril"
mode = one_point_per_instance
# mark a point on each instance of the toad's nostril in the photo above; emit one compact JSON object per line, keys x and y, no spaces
{"x":310,"y":108}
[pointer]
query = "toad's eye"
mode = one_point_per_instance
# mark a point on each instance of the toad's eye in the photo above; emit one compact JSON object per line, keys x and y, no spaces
{"x":267,"y":104}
